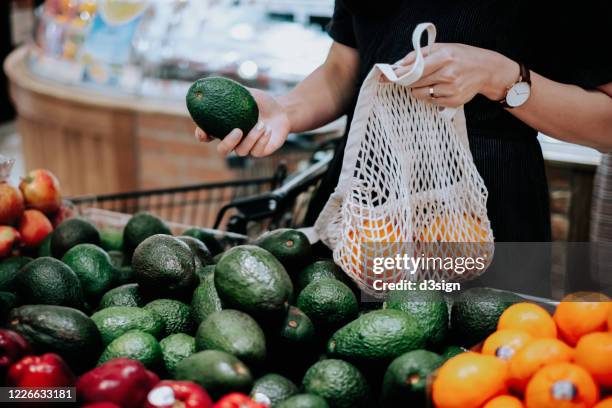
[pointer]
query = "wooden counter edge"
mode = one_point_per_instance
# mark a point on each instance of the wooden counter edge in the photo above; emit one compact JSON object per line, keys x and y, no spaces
{"x":19,"y":73}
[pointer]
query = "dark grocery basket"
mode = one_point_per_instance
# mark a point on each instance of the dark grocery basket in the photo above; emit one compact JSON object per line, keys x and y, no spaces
{"x":241,"y":206}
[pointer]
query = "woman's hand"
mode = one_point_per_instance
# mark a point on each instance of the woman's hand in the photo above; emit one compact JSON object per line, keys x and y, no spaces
{"x":458,"y":72}
{"x":265,"y":138}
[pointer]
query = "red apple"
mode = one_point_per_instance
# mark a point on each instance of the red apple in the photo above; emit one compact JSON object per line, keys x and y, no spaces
{"x":41,"y":190}
{"x":67,"y":210}
{"x":11,"y":204}
{"x":8,"y":239}
{"x":34,"y":228}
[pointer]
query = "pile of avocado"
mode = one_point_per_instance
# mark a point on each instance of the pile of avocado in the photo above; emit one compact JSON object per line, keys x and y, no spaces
{"x":267,"y":319}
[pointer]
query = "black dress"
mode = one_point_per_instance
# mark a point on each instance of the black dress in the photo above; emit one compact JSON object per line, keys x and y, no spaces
{"x":568,"y":45}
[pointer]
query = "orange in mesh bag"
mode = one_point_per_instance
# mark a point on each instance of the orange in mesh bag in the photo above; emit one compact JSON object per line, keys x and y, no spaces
{"x":408,"y":184}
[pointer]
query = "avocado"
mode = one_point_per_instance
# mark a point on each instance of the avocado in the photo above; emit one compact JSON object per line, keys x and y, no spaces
{"x":114,"y":321}
{"x":451,"y":351}
{"x":164,"y":267}
{"x":475,"y":313}
{"x":8,"y":301}
{"x":49,"y":281}
{"x":124,"y":295}
{"x":176,"y":315}
{"x":297,"y":328}
{"x":123,"y":275}
{"x":291,"y":247}
{"x":207,"y":237}
{"x":322,"y":269}
{"x":140,"y":227}
{"x":251,"y":279}
{"x":271,"y":389}
{"x":329,"y":303}
{"x":405,"y":381}
{"x":93,"y":267}
{"x":135,"y":345}
{"x":428,"y":308}
{"x":111,"y":239}
{"x":234,"y":332}
{"x":201,"y":253}
{"x":219,"y":105}
{"x":9,"y":268}
{"x":175,"y":348}
{"x":203,"y":271}
{"x":303,"y":401}
{"x":44,"y":249}
{"x":118,"y":258}
{"x":205,"y":300}
{"x":377,"y":337}
{"x":216,"y":371}
{"x":72,"y":232}
{"x":340,"y":383}
{"x":58,"y":329}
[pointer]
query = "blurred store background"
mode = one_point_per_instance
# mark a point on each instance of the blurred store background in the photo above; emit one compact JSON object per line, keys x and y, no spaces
{"x":94,"y":91}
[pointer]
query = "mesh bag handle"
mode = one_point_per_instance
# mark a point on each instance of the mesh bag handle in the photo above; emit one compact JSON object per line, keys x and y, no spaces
{"x":408,"y":177}
{"x":419,"y":64}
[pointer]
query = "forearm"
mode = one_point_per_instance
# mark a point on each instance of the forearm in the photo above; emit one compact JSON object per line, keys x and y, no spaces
{"x":563,"y":111}
{"x":569,"y":113}
{"x":325,"y":94}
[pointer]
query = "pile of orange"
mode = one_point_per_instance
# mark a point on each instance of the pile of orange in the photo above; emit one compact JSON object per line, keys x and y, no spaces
{"x":535,"y":360}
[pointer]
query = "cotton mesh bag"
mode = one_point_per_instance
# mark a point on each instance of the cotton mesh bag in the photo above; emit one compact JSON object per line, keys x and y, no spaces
{"x":408,"y":182}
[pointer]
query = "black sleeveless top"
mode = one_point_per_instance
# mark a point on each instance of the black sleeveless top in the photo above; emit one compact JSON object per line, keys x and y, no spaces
{"x":567,"y":44}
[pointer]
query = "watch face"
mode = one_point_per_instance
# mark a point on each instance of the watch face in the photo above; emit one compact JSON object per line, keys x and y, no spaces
{"x":518,"y":94}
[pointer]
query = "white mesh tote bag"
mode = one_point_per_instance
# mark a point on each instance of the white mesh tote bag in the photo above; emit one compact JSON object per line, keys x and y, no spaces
{"x":408,"y":177}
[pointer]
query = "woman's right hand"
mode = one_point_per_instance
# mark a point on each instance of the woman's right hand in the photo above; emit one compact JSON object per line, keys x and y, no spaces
{"x":268,"y":135}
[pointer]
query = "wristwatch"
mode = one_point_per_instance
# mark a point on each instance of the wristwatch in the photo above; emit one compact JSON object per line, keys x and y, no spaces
{"x":518,"y":93}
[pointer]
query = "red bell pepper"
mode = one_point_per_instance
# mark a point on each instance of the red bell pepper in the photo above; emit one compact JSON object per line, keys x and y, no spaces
{"x":48,"y":370}
{"x":12,"y":348}
{"x":122,"y":381}
{"x":178,"y":394}
{"x":238,"y":400}
{"x":101,"y":405}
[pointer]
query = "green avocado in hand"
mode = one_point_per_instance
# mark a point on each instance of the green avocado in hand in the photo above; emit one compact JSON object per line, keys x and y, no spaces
{"x":219,"y":105}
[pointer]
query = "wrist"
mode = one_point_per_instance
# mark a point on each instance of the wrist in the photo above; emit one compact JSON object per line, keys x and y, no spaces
{"x":503,"y":73}
{"x":287,"y":105}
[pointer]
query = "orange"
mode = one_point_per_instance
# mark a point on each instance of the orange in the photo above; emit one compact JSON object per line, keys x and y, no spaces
{"x":528,"y":317}
{"x":605,"y":403}
{"x":610,"y":320}
{"x":561,"y":385}
{"x":468,"y":228}
{"x":533,"y":356}
{"x":594,"y":353}
{"x":504,"y":343}
{"x":580,"y":314}
{"x":504,"y":401}
{"x":468,"y":380}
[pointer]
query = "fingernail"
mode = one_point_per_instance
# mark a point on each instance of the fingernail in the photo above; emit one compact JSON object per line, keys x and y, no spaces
{"x":197,"y":135}
{"x":260,"y":125}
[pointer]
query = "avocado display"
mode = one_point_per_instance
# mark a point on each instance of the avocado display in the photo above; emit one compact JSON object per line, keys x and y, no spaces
{"x":114,"y":321}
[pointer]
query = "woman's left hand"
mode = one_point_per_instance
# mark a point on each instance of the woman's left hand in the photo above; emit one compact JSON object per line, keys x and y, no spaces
{"x":458,"y":72}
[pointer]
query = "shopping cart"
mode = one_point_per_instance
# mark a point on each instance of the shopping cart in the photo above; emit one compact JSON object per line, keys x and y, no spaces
{"x":245,"y":207}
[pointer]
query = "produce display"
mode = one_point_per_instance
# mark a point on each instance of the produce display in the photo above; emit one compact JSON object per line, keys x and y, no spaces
{"x":142,"y":318}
